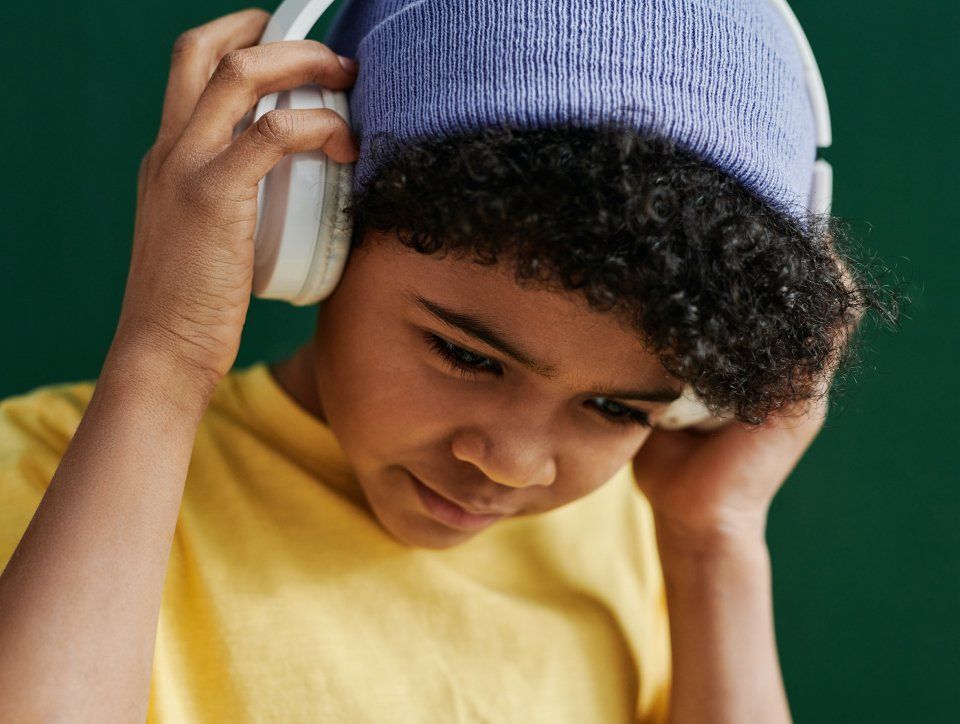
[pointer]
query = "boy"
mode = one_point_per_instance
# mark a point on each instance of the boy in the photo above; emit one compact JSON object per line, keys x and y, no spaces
{"x":433,"y":511}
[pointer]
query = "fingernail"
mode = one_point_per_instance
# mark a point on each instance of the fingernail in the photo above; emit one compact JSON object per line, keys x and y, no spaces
{"x":348,"y":63}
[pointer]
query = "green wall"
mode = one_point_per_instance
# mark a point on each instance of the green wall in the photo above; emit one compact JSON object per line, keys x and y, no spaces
{"x":865,"y":536}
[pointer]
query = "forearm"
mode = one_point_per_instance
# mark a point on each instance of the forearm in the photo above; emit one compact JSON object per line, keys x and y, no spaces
{"x":80,"y":598}
{"x":725,"y":665}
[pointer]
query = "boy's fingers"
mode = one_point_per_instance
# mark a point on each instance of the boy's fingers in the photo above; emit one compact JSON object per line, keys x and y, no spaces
{"x":279,"y":132}
{"x":244,"y":76}
{"x":195,"y":56}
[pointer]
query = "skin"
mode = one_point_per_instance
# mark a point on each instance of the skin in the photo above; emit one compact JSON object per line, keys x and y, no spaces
{"x":522,"y":443}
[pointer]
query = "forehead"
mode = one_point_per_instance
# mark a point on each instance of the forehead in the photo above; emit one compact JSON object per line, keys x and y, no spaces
{"x":552,"y":325}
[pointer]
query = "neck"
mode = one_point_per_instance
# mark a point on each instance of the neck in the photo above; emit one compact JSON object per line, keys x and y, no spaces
{"x":297,"y":376}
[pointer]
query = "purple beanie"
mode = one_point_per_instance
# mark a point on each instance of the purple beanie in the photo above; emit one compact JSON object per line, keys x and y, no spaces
{"x":722,"y":78}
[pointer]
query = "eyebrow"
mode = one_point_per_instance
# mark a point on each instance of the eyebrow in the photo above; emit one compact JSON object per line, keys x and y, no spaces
{"x":485,"y":332}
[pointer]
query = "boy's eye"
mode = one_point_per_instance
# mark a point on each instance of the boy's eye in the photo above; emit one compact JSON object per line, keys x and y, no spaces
{"x":621,"y":414}
{"x":467,"y":363}
{"x":462,"y":361}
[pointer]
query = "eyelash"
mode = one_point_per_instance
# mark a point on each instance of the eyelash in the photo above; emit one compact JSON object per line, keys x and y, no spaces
{"x":454,"y":356}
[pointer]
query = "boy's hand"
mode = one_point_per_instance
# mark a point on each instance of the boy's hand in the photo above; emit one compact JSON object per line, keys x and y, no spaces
{"x":191,"y":268}
{"x":709,"y":488}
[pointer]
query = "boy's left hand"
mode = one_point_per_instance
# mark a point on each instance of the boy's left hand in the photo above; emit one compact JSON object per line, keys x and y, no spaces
{"x":706,"y":488}
{"x":713,"y":486}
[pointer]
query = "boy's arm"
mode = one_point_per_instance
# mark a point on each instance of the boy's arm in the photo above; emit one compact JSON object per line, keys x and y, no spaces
{"x":710,"y":493}
{"x":723,"y":647}
{"x":80,"y":597}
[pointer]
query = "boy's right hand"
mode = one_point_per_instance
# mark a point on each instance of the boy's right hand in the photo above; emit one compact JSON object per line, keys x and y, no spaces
{"x":191,"y":269}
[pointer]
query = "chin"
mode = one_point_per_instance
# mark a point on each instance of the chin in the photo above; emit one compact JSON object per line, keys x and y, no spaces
{"x":418,"y":531}
{"x":396,"y":508}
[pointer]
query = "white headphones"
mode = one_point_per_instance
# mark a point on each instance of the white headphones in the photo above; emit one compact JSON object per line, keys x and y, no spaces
{"x":302,"y":236}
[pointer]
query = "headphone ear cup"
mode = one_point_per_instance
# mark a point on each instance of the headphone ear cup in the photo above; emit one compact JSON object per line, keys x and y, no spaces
{"x":302,"y":235}
{"x":333,"y":236}
{"x":335,"y":224}
{"x":688,"y":411}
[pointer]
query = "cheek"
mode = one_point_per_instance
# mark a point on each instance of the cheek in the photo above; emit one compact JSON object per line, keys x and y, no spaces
{"x":387,"y":405}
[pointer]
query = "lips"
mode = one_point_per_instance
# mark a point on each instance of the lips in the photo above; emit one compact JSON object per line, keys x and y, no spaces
{"x":476,"y":508}
{"x":449,"y":513}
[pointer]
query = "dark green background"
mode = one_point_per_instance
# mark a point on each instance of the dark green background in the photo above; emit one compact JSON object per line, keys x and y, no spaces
{"x":865,"y":536}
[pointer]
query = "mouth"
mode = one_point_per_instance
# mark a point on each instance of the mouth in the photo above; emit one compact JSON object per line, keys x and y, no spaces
{"x":449,"y":511}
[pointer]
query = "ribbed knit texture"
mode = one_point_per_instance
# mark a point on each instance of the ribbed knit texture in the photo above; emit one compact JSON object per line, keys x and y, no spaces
{"x":723,"y":78}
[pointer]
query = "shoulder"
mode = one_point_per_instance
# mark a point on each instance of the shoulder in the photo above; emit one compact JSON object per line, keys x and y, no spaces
{"x":35,"y":429}
{"x":37,"y":426}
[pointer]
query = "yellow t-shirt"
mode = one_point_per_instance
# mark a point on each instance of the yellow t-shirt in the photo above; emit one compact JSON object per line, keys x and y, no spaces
{"x":285,"y":601}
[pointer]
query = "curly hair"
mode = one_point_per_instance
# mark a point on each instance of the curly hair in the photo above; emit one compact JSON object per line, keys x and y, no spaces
{"x":747,"y":305}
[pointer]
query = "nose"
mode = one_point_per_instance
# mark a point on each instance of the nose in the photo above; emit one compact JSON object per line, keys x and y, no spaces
{"x":507,"y":456}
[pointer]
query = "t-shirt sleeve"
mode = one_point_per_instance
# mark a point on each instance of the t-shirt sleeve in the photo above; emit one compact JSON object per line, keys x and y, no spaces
{"x":35,"y":429}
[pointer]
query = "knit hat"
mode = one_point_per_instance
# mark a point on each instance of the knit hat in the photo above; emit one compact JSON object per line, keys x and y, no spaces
{"x":722,"y":78}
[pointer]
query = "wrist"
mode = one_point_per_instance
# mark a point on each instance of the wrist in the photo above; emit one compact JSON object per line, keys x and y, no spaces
{"x":159,"y":378}
{"x":740,"y":562}
{"x":730,"y":537}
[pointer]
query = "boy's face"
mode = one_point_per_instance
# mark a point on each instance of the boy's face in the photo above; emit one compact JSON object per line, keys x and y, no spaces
{"x":505,"y":437}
